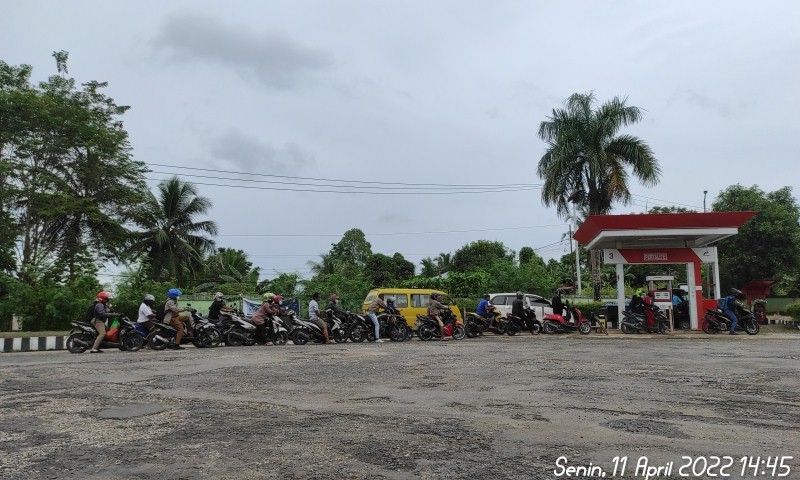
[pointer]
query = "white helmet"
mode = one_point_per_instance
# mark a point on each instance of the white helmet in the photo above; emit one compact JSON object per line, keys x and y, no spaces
{"x":149,"y":298}
{"x":218,"y":296}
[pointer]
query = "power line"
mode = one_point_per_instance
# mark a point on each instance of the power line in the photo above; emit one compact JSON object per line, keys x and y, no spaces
{"x":387,"y":233}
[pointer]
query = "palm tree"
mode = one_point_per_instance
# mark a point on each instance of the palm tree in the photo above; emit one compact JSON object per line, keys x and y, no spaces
{"x":586,"y":162}
{"x":172,"y":242}
{"x":232,"y":267}
{"x":428,"y":268}
{"x":444,"y":263}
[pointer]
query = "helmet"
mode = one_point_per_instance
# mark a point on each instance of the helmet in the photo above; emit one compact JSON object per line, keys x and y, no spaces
{"x":486,"y":296}
{"x":640,"y":292}
{"x":519,"y":295}
{"x":218,"y":296}
{"x":277,"y":299}
{"x":736,"y":292}
{"x":149,"y":299}
{"x":103,"y":297}
{"x":434,"y":296}
{"x":390,"y":301}
{"x":268,"y":297}
{"x":174,"y":293}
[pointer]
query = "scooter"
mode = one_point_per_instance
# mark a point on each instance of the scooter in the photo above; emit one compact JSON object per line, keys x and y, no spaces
{"x":529,"y":323}
{"x":716,"y":321}
{"x":428,"y":328}
{"x":392,"y":325}
{"x":235,"y":330}
{"x":637,"y":322}
{"x":572,"y":321}
{"x":83,"y":335}
{"x":302,"y":331}
{"x":200,"y":332}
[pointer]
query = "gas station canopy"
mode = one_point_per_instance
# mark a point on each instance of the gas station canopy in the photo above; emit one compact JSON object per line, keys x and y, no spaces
{"x":659,"y":230}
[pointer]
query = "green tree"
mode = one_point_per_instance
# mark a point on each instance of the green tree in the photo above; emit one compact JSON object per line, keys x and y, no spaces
{"x":229,"y":268}
{"x":526,"y":255}
{"x":587,"y":162}
{"x":480,"y":255}
{"x":172,"y":241}
{"x":383,"y":270}
{"x":429,"y":268}
{"x":68,"y":182}
{"x":353,"y":249}
{"x":670,"y":209}
{"x":767,"y":246}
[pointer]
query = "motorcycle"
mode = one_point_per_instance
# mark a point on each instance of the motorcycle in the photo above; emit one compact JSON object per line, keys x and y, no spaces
{"x":359,"y":327}
{"x":637,"y":322}
{"x":235,"y":330}
{"x":83,"y":335}
{"x":530,"y":323}
{"x":200,"y":332}
{"x":302,"y":331}
{"x":428,"y":328}
{"x":572,"y":321}
{"x":715,"y":321}
{"x":392,"y":325}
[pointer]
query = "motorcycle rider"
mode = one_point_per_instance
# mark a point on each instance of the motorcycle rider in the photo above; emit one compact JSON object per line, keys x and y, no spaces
{"x":372,"y":313}
{"x":730,"y":308}
{"x":101,"y":314}
{"x":175,"y":316}
{"x":333,"y":305}
{"x":146,"y":314}
{"x":217,"y":307}
{"x":648,"y":310}
{"x":315,"y":316}
{"x":435,"y":309}
{"x":263,"y":319}
{"x":518,"y":306}
{"x":557,"y":303}
{"x":637,"y":302}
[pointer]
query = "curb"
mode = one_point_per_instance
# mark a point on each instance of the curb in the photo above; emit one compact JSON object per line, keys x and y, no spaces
{"x":32,"y":344}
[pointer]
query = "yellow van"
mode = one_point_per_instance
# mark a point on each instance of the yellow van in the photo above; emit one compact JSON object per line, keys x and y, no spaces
{"x":410,"y":301}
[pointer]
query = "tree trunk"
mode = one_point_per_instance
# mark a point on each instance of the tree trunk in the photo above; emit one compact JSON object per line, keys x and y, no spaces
{"x":595,"y":259}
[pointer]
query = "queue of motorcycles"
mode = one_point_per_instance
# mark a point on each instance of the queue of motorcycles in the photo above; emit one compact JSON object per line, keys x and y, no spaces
{"x":475,"y":325}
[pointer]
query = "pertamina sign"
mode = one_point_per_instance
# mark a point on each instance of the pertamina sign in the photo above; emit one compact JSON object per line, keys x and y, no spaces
{"x":655,"y":257}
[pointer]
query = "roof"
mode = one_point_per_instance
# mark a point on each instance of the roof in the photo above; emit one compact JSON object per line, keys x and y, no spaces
{"x":661,"y":230}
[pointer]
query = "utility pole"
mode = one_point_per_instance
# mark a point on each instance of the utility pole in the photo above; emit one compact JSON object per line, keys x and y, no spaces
{"x":577,"y":260}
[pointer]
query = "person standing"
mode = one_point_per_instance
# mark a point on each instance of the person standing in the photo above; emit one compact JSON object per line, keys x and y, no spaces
{"x":315,"y":316}
{"x":372,"y":313}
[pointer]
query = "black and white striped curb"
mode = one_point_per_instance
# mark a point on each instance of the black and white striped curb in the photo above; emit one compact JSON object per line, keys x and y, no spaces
{"x":30,"y":344}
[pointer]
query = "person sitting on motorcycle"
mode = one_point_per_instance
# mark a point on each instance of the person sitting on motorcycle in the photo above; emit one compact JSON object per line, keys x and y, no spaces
{"x":315,"y":315}
{"x":731,"y":301}
{"x":518,"y":306}
{"x":333,"y":306}
{"x":175,"y":316}
{"x":217,"y":307}
{"x":263,"y":319}
{"x":101,"y":314}
{"x":435,"y":309}
{"x":372,"y":314}
{"x":146,"y":314}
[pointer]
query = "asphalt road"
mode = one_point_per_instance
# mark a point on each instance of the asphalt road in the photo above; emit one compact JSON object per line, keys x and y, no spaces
{"x":496,"y":407}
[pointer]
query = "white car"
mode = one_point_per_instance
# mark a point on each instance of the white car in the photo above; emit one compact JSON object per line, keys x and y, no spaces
{"x":502,"y":301}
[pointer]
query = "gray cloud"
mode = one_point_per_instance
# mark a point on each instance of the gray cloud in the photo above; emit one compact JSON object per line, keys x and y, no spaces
{"x":250,"y":154}
{"x":271,"y":59}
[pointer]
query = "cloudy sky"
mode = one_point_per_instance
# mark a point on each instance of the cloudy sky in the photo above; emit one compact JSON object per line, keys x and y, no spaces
{"x":421,"y":92}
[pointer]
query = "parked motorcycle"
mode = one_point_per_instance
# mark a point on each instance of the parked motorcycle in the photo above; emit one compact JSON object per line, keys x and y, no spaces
{"x":716,"y":321}
{"x":428,"y":328}
{"x":637,"y":322}
{"x":83,"y":335}
{"x":572,"y":321}
{"x":200,"y":332}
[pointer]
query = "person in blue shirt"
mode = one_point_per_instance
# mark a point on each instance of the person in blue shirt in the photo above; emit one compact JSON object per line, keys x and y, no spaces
{"x":483,"y":307}
{"x":730,"y":308}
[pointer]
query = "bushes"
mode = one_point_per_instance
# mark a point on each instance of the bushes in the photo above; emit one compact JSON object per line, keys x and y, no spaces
{"x":793,"y":310}
{"x":47,"y":304}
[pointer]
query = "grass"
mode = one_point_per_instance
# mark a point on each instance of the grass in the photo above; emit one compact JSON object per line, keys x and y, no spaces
{"x":33,"y":334}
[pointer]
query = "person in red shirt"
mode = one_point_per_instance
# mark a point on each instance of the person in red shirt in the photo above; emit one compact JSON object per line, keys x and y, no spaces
{"x":648,"y":310}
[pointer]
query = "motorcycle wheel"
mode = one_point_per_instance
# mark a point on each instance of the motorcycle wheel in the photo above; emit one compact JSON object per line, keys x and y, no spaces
{"x":626,"y":328}
{"x":548,"y":327}
{"x":585,"y":328}
{"x":513,"y":329}
{"x":250,"y":339}
{"x":75,"y":347}
{"x":536,"y":329}
{"x":459,"y":333}
{"x":357,"y":334}
{"x":752,"y":328}
{"x":397,"y":334}
{"x":233,"y":339}
{"x":500,"y":328}
{"x":154,"y":342}
{"x":663,"y":328}
{"x":425,"y":332}
{"x":131,"y":342}
{"x":370,"y":335}
{"x":280,"y":338}
{"x":299,"y":338}
{"x":339,"y":336}
{"x":409,"y":333}
{"x":471,"y":331}
{"x":709,"y":327}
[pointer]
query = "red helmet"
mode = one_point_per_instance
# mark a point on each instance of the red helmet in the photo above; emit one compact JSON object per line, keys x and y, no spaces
{"x":277,"y":299}
{"x":103,"y":297}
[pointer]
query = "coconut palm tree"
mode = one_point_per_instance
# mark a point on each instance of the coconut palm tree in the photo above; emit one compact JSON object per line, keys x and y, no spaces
{"x":172,"y":241}
{"x":587,"y":163}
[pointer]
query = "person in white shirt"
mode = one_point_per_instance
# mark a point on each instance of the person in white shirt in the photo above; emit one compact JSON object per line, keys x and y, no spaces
{"x":315,"y":316}
{"x":146,"y":314}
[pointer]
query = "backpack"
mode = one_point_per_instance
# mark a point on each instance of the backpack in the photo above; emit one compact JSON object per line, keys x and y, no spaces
{"x":88,"y":317}
{"x":721,"y":303}
{"x":161,"y":312}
